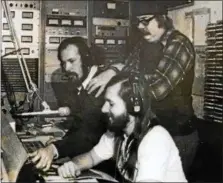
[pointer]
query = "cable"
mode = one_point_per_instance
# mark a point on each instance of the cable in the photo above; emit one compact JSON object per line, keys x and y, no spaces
{"x":15,"y":41}
{"x":21,"y":59}
{"x":30,"y":85}
{"x":9,"y":91}
{"x":10,"y":53}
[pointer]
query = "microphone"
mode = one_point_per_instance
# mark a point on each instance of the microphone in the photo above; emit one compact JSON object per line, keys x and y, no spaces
{"x":62,"y":111}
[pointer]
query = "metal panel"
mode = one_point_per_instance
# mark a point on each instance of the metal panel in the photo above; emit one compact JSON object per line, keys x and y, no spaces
{"x":14,"y":155}
{"x":20,"y":8}
{"x":62,"y":20}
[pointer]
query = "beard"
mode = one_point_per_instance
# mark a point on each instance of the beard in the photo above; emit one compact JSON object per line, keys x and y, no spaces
{"x":73,"y":78}
{"x":117,"y":124}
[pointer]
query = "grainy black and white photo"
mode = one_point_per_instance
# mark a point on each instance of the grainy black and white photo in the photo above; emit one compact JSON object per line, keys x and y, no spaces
{"x":111,"y":91}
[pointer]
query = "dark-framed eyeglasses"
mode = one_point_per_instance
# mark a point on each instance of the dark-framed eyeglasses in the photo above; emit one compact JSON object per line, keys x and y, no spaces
{"x":145,"y":21}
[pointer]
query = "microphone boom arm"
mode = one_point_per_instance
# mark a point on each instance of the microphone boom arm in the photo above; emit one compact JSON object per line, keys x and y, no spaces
{"x":30,"y":85}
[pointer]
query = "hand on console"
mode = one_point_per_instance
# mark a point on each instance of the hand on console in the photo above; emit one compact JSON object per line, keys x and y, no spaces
{"x":43,"y":157}
{"x":69,"y":169}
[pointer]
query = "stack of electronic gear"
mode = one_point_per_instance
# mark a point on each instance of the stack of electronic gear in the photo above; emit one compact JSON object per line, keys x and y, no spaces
{"x":213,"y":87}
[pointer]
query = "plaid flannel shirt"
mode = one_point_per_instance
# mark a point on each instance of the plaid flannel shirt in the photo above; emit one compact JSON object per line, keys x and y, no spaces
{"x":178,"y":59}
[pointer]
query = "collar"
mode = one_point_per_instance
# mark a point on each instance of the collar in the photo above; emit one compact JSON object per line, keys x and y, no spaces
{"x":91,"y":74}
{"x":165,"y":36}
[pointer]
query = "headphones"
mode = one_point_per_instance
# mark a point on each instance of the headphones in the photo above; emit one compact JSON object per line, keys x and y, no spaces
{"x":88,"y":61}
{"x":135,"y":105}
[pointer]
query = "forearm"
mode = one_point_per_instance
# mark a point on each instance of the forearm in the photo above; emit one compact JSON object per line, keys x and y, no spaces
{"x":119,"y":66}
{"x":74,"y":145}
{"x":87,"y":160}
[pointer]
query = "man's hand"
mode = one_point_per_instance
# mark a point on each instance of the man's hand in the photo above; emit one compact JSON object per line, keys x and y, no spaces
{"x":69,"y":169}
{"x":43,"y":157}
{"x":100,"y":82}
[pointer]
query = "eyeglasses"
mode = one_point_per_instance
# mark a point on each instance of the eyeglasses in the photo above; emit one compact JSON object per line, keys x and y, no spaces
{"x":145,"y":21}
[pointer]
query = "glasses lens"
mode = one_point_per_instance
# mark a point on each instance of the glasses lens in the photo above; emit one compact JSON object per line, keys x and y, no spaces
{"x":145,"y":21}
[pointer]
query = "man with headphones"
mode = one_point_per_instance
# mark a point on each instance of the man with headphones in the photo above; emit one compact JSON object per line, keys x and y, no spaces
{"x":169,"y":75}
{"x":86,"y":120}
{"x":144,"y":151}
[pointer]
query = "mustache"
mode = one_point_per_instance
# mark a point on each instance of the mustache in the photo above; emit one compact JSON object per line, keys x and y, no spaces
{"x":143,"y":31}
{"x":71,"y":76}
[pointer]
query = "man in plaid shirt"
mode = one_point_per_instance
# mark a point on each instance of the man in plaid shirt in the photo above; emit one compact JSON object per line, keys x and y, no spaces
{"x":170,"y":77}
{"x":170,"y":80}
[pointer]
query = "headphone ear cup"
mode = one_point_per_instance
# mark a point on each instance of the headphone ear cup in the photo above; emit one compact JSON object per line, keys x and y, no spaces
{"x":88,"y":61}
{"x":137,"y":105}
{"x":130,"y":105}
{"x":135,"y":100}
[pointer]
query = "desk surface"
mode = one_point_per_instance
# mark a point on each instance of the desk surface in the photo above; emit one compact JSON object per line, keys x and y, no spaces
{"x":86,"y":176}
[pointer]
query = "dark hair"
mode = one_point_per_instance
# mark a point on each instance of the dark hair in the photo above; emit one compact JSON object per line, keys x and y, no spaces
{"x":126,"y":91}
{"x":164,"y":21}
{"x":141,"y":128}
{"x":82,"y":46}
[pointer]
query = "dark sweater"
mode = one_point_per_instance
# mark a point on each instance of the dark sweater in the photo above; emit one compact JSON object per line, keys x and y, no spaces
{"x":87,"y":125}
